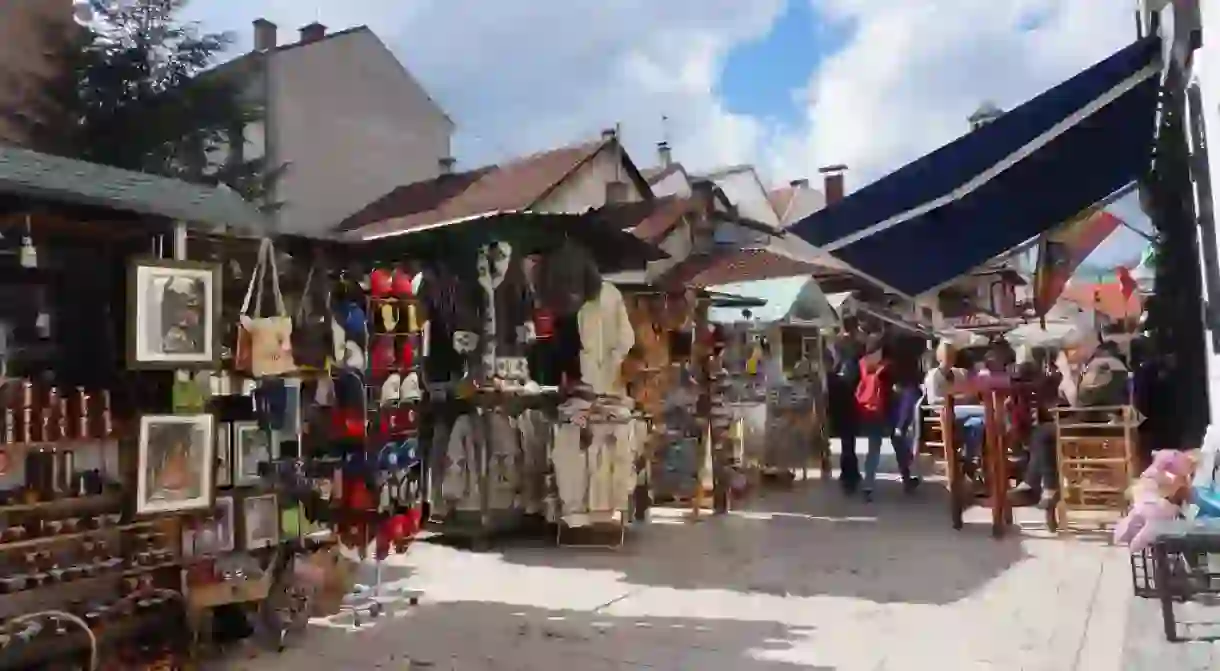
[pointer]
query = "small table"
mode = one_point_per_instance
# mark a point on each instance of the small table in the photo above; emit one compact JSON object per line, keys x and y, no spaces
{"x":1183,"y":538}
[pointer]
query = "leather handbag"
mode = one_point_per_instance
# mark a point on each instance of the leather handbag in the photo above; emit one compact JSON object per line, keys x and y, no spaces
{"x":311,"y":329}
{"x":265,"y":343}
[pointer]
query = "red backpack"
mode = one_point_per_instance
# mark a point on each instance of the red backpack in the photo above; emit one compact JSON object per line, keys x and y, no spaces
{"x":870,"y":392}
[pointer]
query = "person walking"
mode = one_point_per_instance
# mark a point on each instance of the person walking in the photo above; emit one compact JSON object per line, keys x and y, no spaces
{"x":844,"y":355}
{"x":874,"y":403}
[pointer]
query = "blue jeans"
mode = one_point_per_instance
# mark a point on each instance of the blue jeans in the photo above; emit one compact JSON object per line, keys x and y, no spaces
{"x":971,"y":422}
{"x":874,"y":432}
{"x":899,"y":429}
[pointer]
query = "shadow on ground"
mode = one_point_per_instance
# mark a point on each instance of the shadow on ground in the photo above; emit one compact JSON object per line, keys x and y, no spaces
{"x":479,"y":636}
{"x":808,"y":541}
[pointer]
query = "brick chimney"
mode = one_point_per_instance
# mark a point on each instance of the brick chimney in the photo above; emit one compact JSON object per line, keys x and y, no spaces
{"x":664,"y":154}
{"x":264,"y":35}
{"x":312,"y":33}
{"x":832,"y":178}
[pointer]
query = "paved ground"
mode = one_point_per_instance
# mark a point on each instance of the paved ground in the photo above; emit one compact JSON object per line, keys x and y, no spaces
{"x":799,"y":580}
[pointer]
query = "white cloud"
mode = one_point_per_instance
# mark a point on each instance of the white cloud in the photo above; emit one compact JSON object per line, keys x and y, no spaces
{"x":523,"y":75}
{"x":914,"y":70}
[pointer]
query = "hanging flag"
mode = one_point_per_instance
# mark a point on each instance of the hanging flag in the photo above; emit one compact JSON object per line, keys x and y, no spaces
{"x":1126,"y":281}
{"x":1061,"y":251}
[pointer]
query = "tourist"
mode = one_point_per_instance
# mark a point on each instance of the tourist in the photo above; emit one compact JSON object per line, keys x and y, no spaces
{"x":874,"y":408}
{"x":1103,"y":382}
{"x":841,"y":387}
{"x":946,"y":380}
{"x":907,"y":376}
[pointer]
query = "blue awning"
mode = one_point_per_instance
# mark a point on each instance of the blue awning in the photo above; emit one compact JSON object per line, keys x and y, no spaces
{"x":1031,"y":169}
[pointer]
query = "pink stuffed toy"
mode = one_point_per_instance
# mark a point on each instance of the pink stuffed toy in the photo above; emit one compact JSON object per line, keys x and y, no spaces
{"x":1153,"y":497}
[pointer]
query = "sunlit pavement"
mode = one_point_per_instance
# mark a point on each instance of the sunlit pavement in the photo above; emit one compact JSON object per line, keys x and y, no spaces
{"x":799,"y":579}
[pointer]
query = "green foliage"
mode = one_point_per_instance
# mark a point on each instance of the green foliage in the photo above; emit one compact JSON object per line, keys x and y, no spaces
{"x":136,"y":93}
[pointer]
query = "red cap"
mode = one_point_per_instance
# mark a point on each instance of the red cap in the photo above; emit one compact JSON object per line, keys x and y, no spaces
{"x":380,"y":282}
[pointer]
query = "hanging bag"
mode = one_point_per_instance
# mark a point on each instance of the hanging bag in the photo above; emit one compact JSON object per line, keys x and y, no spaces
{"x":311,"y":329}
{"x":269,"y":338}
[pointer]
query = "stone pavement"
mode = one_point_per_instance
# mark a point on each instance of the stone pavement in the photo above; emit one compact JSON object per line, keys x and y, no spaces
{"x":801,"y":579}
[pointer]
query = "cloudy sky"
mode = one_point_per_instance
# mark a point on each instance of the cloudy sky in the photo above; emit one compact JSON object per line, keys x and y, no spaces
{"x":789,"y":85}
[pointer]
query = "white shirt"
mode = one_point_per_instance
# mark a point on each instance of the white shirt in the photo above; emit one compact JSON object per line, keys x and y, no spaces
{"x":936,"y":384}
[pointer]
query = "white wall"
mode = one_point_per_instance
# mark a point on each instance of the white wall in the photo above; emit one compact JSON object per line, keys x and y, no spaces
{"x":352,"y":125}
{"x":586,"y":188}
{"x":674,"y":184}
{"x":744,"y":190}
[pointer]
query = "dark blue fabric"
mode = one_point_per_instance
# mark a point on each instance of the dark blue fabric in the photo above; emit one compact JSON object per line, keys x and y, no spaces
{"x":1080,"y":167}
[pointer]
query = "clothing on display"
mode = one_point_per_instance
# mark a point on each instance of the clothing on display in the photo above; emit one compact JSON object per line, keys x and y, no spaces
{"x":606,"y":335}
{"x":594,"y":461}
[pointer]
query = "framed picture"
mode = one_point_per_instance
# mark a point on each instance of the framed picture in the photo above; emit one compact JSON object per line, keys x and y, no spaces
{"x":172,"y":314}
{"x":251,"y":447}
{"x":225,"y":524}
{"x":176,"y":462}
{"x":224,"y":455}
{"x":261,"y":517}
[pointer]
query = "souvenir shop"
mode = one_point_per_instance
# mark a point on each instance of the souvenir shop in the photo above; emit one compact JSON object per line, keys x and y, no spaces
{"x":672,"y":374}
{"x":775,"y":381}
{"x":525,"y":423}
{"x":139,"y":519}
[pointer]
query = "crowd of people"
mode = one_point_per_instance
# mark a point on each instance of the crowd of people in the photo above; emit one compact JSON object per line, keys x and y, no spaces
{"x":876,"y":385}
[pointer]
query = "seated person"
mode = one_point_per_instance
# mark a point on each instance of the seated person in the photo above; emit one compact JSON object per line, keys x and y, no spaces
{"x":944,"y":380}
{"x":1103,"y":382}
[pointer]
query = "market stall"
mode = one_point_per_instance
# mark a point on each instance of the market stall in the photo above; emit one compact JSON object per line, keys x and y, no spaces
{"x":112,"y":532}
{"x":527,"y":417}
{"x":773,"y":359}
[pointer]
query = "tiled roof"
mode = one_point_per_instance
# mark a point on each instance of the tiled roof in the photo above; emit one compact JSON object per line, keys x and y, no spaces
{"x":729,"y":266}
{"x":1106,"y":298}
{"x":652,"y":220}
{"x":510,"y":187}
{"x":67,"y":180}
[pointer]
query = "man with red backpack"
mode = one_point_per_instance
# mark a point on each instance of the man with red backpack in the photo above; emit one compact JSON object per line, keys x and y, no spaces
{"x":875,"y":408}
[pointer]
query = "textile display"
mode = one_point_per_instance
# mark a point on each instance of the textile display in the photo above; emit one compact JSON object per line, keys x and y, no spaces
{"x":606,"y":335}
{"x":593,"y":458}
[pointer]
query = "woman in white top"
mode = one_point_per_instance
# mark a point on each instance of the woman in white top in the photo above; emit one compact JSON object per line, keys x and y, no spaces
{"x":938,"y":384}
{"x":940,"y":380}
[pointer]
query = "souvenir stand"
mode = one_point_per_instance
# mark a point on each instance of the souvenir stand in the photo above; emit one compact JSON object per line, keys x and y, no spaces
{"x":523,"y":425}
{"x":102,"y":460}
{"x":780,"y":403}
{"x":659,"y":378}
{"x":671,"y":374}
{"x":334,"y":431}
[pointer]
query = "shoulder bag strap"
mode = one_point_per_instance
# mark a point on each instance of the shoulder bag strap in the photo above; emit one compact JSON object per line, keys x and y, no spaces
{"x":254,"y":282}
{"x":306,"y":302}
{"x":281,"y":311}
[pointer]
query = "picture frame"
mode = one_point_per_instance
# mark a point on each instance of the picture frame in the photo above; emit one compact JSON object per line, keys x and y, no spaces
{"x":251,"y":446}
{"x":260,"y":521}
{"x":173,"y":310}
{"x":175,"y":463}
{"x":212,"y":537}
{"x":224,"y":456}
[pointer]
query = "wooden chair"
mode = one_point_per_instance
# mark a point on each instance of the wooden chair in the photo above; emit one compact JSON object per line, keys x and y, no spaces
{"x":998,"y":469}
{"x":1097,"y":458}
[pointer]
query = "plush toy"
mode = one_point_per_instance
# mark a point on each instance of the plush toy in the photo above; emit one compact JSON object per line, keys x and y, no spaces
{"x":1156,"y":496}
